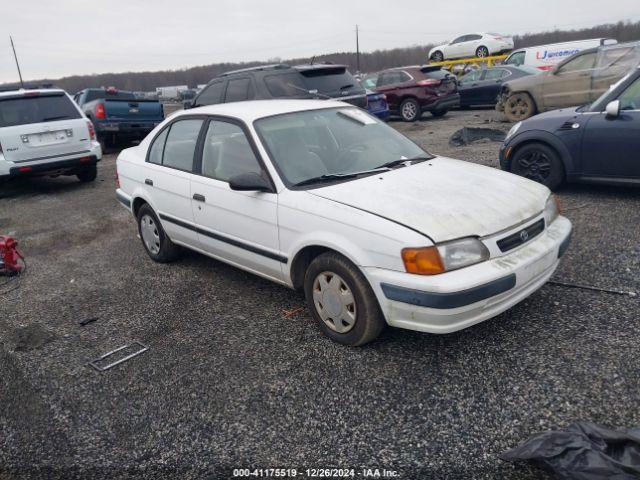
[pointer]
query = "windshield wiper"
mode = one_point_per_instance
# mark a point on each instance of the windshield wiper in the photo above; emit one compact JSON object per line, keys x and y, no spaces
{"x":338,"y":176}
{"x":403,"y":161}
{"x":309,"y":92}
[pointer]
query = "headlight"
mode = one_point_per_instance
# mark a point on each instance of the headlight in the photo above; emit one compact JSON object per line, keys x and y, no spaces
{"x":513,"y":131}
{"x":551,"y":210}
{"x":444,"y":257}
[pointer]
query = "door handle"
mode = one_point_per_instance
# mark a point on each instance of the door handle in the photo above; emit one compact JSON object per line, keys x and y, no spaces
{"x":148,"y":181}
{"x":199,"y":198}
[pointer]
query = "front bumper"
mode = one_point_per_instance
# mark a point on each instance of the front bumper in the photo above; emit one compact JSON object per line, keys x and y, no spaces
{"x":456,"y":300}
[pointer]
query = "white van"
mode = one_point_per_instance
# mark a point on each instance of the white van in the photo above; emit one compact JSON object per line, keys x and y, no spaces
{"x":545,"y":57}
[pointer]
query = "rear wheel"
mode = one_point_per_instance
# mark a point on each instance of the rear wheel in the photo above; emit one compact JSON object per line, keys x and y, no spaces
{"x":519,"y":106}
{"x":410,"y":110}
{"x":154,"y":239}
{"x":437,"y":56}
{"x":539,"y":162}
{"x":341,"y":300}
{"x":88,"y":173}
{"x":482,"y":52}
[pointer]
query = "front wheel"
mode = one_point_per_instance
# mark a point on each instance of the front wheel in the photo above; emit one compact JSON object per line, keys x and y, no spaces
{"x":519,"y":106}
{"x":410,"y":110}
{"x":482,"y":52}
{"x":341,"y":301}
{"x":154,"y":239}
{"x":88,"y":173}
{"x":437,"y":56}
{"x":540,"y":163}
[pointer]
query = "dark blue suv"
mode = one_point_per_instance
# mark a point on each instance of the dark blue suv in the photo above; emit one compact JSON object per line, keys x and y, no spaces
{"x":596,"y":143}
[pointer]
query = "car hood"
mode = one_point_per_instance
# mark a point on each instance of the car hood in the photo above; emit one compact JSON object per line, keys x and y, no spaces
{"x":443,"y":198}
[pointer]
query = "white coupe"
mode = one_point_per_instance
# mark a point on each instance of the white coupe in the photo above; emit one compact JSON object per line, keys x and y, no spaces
{"x":472,"y":45}
{"x":321,"y":196}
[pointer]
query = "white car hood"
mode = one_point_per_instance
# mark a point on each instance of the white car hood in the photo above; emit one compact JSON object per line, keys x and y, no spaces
{"x":443,"y":198}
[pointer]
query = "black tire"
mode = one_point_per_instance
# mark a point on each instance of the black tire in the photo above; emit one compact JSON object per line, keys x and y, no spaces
{"x":437,"y":56}
{"x":539,"y":162}
{"x":519,"y":106}
{"x":410,"y":110}
{"x":367,"y":318}
{"x":167,"y":251}
{"x":439,"y":113}
{"x":482,"y":52}
{"x":88,"y":173}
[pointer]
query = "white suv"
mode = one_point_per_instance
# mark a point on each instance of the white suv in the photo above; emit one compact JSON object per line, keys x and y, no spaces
{"x":43,"y":132}
{"x":472,"y":45}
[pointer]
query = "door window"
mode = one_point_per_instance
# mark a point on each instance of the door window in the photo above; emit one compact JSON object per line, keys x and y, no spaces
{"x":470,"y":77}
{"x":157,"y":148}
{"x":238,"y":90}
{"x":227,"y":152}
{"x":211,"y":94}
{"x":583,"y":62}
{"x":496,"y":74}
{"x":471,"y":38}
{"x":181,"y":144}
{"x":459,"y":39}
{"x":516,"y":59}
{"x":630,"y":98}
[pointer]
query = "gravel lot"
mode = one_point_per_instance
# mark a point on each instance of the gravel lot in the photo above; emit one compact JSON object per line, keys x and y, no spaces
{"x":231,"y":381}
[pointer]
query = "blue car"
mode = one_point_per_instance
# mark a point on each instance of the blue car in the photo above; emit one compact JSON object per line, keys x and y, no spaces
{"x":595,"y":143}
{"x":377,"y":105}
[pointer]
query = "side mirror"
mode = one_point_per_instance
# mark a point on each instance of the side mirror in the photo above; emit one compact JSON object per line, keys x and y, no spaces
{"x":249,"y":182}
{"x":613,"y":109}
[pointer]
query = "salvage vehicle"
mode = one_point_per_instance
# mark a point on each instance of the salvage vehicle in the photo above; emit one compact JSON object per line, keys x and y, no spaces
{"x":411,"y":91}
{"x":578,"y":80}
{"x":482,"y":87}
{"x":118,"y":115}
{"x":321,"y":81}
{"x":545,"y":57}
{"x":44,"y":133}
{"x":596,"y":143}
{"x":377,"y":104}
{"x":323,"y":197}
{"x":471,"y":45}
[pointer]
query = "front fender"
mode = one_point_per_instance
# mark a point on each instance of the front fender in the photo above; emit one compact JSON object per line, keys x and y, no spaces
{"x":540,"y":136}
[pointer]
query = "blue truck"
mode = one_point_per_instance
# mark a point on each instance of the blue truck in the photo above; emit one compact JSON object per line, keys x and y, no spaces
{"x":119,"y":115}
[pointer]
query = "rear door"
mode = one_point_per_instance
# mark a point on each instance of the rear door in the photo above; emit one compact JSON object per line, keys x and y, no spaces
{"x":570,"y":84}
{"x":391,"y":83}
{"x":490,"y":84}
{"x":470,"y":45}
{"x":239,"y":90}
{"x":456,"y":48}
{"x":237,"y":226}
{"x":40,"y":127}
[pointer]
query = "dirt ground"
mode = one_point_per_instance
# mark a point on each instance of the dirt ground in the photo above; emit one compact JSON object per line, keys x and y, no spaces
{"x":233,"y":379}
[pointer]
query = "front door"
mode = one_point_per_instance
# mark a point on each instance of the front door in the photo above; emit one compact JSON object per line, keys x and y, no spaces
{"x":611,"y":144}
{"x":570,"y":84}
{"x":236,"y":226}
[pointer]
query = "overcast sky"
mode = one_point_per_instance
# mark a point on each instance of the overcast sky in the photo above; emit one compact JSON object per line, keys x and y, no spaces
{"x":66,"y":37}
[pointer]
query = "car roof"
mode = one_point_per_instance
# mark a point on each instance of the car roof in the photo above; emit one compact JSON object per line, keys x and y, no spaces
{"x":318,"y":66}
{"x":18,"y":92}
{"x":259,"y":68}
{"x":251,"y":110}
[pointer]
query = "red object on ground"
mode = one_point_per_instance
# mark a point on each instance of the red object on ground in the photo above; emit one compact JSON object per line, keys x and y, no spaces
{"x":9,"y":256}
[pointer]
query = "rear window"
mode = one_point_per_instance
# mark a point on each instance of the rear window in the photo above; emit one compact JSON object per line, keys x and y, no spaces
{"x":45,"y":108}
{"x":287,"y":85}
{"x":116,"y":95}
{"x":330,"y":81}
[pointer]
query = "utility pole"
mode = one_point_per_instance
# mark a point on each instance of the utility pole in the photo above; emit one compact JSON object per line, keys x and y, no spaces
{"x":17,"y":64}
{"x":357,"y":51}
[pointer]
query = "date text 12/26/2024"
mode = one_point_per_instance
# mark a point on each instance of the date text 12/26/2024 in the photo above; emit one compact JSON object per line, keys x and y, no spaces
{"x":315,"y":473}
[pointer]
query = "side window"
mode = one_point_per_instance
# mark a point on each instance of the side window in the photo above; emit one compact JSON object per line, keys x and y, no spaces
{"x":181,"y":144}
{"x":459,"y":39}
{"x":384,"y":79}
{"x":227,"y":152}
{"x":630,"y":98}
{"x":403,"y":77}
{"x":470,"y":38}
{"x":495,"y":74}
{"x":238,"y":90}
{"x":211,"y":94}
{"x":471,"y":77}
{"x":157,"y":147}
{"x":516,"y":59}
{"x":583,"y":62}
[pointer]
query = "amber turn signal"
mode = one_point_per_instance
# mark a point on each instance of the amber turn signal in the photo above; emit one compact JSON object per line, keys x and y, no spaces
{"x":422,"y":261}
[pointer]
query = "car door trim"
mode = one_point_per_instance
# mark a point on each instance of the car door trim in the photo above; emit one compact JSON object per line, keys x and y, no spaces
{"x":223,"y":238}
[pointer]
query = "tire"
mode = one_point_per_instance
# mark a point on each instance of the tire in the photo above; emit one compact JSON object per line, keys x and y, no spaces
{"x":482,"y":52}
{"x":154,"y":239}
{"x":88,"y":173}
{"x":439,"y":113}
{"x":333,"y":284}
{"x":519,"y":106}
{"x":410,"y":110}
{"x":539,"y":162}
{"x":437,"y":56}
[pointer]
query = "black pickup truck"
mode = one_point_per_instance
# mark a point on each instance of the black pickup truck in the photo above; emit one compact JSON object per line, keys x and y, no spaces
{"x":118,"y":115}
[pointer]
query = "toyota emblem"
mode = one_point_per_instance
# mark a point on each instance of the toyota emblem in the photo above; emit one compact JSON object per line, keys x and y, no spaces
{"x":524,"y":236}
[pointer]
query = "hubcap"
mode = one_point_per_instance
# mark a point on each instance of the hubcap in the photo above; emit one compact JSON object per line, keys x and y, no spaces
{"x":483,"y":52}
{"x":409,"y":110}
{"x":334,"y":302}
{"x":150,"y":234}
{"x":518,"y":107}
{"x":535,"y":166}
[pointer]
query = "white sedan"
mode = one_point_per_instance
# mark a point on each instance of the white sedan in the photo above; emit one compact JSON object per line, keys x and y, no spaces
{"x":472,"y":45}
{"x":320,"y":196}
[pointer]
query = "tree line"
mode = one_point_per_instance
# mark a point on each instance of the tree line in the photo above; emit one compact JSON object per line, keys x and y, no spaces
{"x":369,"y":61}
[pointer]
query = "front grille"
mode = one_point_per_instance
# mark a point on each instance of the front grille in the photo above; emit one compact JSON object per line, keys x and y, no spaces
{"x":521,"y":236}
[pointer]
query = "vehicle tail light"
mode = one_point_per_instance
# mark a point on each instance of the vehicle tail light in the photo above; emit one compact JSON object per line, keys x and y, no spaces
{"x":429,"y":82}
{"x":92,"y":131}
{"x":423,"y":261}
{"x":85,"y":159}
{"x":24,"y":169}
{"x":100,"y":113}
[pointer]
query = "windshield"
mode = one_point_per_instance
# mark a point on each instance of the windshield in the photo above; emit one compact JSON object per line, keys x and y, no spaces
{"x":36,"y":109}
{"x":336,"y":141}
